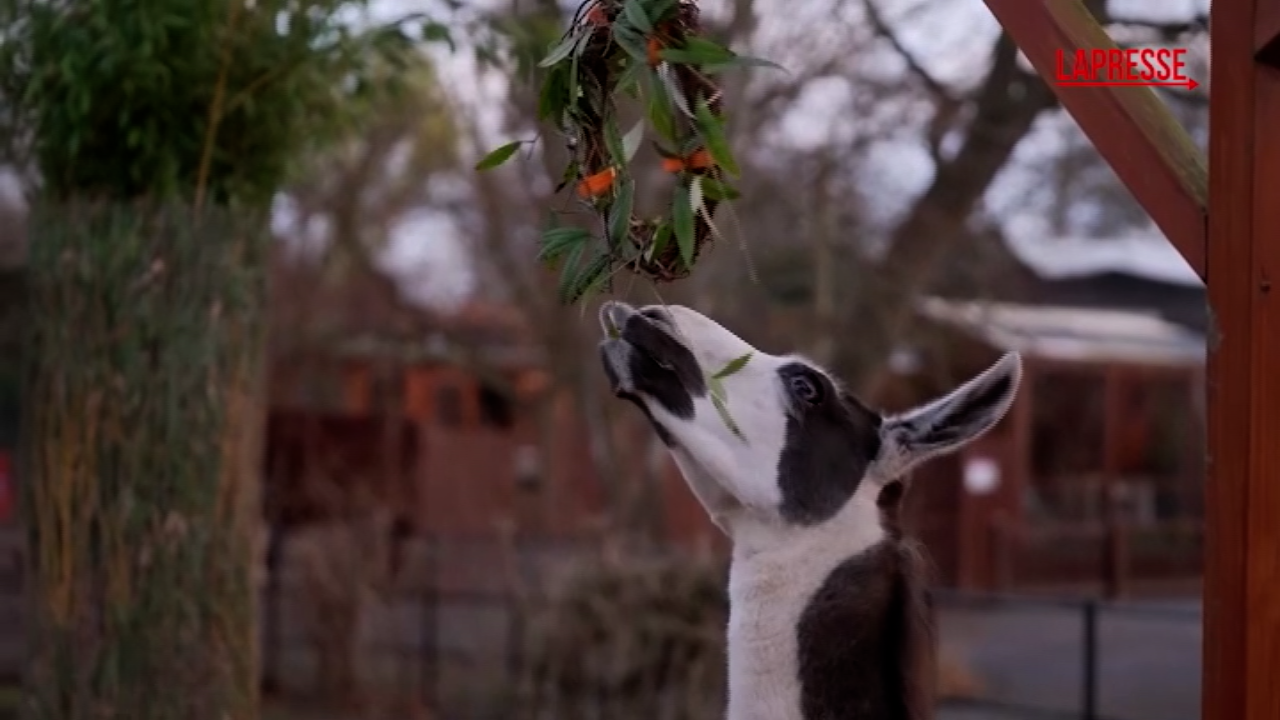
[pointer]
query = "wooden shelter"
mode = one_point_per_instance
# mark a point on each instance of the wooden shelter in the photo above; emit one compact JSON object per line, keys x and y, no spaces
{"x":1226,"y":223}
{"x":1096,"y":477}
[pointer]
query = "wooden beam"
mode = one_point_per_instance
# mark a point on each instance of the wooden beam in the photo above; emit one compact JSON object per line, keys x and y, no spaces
{"x":1266,"y":34}
{"x":1130,"y":126}
{"x":1242,"y":494}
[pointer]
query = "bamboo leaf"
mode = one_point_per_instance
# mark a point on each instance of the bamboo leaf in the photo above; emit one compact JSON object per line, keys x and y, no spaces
{"x":695,"y":194}
{"x":733,"y":366}
{"x":718,"y":190}
{"x":635,"y":14}
{"x":631,"y":141}
{"x":569,"y":272}
{"x":557,"y":242}
{"x":712,"y":130}
{"x":592,"y":277}
{"x":658,"y":109}
{"x":659,"y":10}
{"x":661,"y":237}
{"x":629,"y":82}
{"x":716,"y":388}
{"x":741,"y":61}
{"x":498,"y":156}
{"x":613,"y":142}
{"x":632,"y":42}
{"x":698,"y":51}
{"x":556,"y":93}
{"x":672,"y":84}
{"x":620,"y":213}
{"x":562,"y":50}
{"x":682,"y":222}
{"x":723,"y":410}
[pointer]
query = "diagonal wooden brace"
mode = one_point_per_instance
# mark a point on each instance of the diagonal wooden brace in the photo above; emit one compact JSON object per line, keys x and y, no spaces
{"x":1131,"y":127}
{"x":1266,"y":34}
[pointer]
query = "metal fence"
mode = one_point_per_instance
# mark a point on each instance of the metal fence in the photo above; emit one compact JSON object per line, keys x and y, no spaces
{"x":1129,"y":660}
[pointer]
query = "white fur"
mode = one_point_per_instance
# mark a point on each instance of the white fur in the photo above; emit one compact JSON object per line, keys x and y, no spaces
{"x":777,"y":566}
{"x":774,"y":573}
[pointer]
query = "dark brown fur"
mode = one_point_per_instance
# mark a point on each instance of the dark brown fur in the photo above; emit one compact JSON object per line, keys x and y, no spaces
{"x":866,"y":639}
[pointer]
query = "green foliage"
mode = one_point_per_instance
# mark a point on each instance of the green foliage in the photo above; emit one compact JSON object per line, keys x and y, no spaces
{"x":649,"y":50}
{"x":720,"y":398}
{"x":499,"y":156}
{"x":144,"y":334}
{"x":189,"y":99}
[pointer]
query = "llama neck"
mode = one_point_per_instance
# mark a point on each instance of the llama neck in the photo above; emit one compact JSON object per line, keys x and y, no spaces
{"x":814,"y":635}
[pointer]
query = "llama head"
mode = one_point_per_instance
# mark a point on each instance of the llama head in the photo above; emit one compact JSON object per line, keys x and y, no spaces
{"x":776,"y":443}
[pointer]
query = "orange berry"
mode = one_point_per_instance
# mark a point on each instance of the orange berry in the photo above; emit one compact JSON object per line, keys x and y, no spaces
{"x":654,"y":47}
{"x":596,"y":185}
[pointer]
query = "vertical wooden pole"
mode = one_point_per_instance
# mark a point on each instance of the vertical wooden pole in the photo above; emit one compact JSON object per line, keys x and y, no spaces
{"x":1242,"y":553}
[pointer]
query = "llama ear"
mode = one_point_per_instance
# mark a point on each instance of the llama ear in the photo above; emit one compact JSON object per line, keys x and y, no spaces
{"x":952,"y":421}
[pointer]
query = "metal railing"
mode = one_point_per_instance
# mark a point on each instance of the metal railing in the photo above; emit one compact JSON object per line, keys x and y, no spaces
{"x":1089,"y":611}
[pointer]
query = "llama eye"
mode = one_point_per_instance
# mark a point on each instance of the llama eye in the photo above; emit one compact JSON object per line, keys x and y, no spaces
{"x":804,"y":388}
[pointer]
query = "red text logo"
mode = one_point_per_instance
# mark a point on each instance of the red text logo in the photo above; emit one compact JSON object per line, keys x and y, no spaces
{"x":1124,"y":66}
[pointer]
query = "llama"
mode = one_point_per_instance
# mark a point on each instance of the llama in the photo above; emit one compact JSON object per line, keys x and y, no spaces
{"x":828,"y":618}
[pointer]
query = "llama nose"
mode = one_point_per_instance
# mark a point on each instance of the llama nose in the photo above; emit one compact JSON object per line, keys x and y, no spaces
{"x":613,"y":317}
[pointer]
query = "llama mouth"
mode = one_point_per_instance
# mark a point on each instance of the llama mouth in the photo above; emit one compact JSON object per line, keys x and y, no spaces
{"x":644,"y":356}
{"x":615,"y":350}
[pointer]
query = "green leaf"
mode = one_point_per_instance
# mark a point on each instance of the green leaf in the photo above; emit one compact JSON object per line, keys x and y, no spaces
{"x":574,"y":81}
{"x":698,"y":51}
{"x":613,"y":142}
{"x":631,"y":141}
{"x":682,"y":220}
{"x":562,"y":50}
{"x":438,"y":32}
{"x":661,"y":237}
{"x":723,"y":410}
{"x":657,"y":11}
{"x":570,"y":175}
{"x":629,"y":82}
{"x":620,"y":213}
{"x":733,"y":366}
{"x":569,"y":271}
{"x":498,"y":156}
{"x":557,"y":242}
{"x":712,"y":130}
{"x":695,"y":194}
{"x":632,"y":42}
{"x":555,"y":95}
{"x":658,"y":109}
{"x":592,"y":277}
{"x":634,"y":12}
{"x":740,"y":61}
{"x":716,"y":388}
{"x":718,"y":190}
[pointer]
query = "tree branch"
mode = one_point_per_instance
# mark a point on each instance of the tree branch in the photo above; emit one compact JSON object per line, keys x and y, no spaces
{"x":914,"y":68}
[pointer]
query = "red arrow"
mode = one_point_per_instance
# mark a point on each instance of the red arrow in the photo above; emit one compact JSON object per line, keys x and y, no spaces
{"x":1188,"y":83}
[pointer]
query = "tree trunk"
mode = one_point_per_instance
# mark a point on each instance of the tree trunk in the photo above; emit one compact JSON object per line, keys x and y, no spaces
{"x":1008,"y":103}
{"x":141,"y":452}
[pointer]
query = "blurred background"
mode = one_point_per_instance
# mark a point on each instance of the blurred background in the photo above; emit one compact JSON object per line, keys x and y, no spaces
{"x":459,"y":521}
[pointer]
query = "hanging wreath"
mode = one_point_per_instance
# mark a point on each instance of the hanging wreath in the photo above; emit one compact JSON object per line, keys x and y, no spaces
{"x":652,"y":51}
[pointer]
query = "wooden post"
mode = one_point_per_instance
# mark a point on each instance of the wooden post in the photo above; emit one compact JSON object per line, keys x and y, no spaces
{"x":1242,"y":533}
{"x":1242,"y":525}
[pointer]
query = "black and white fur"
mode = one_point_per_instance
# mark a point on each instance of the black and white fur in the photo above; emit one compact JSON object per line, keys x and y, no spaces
{"x":827,"y":613}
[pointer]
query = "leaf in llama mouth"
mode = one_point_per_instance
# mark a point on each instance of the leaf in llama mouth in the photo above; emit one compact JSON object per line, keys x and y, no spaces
{"x":611,"y":328}
{"x":720,"y":399}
